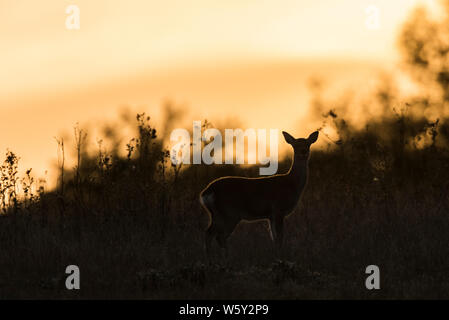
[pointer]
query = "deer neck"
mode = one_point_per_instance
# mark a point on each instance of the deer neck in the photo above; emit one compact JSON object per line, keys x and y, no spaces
{"x":299,"y":170}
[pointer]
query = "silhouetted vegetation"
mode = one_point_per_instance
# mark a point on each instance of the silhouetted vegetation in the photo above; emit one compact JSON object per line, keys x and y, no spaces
{"x":377,"y":194}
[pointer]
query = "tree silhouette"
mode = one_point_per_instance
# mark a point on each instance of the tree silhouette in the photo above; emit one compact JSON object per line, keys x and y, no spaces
{"x":424,"y":44}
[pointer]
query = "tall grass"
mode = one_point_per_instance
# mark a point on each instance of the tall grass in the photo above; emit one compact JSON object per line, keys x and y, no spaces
{"x":377,"y":194}
{"x":134,"y":226}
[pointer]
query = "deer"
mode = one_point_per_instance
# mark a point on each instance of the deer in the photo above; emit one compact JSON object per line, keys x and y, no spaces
{"x":230,"y":200}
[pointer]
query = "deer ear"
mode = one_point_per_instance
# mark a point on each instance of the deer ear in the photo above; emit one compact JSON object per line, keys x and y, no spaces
{"x":313,"y":137}
{"x":288,"y":137}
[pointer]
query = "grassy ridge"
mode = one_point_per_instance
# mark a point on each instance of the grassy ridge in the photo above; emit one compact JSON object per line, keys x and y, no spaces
{"x":135,"y":228}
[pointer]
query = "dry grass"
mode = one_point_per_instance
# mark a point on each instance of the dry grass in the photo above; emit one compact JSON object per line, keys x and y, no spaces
{"x":137,"y":232}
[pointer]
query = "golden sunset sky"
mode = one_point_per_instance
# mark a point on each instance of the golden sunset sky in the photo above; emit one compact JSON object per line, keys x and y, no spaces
{"x":242,"y":58}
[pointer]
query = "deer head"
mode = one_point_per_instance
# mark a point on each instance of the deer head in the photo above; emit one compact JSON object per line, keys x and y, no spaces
{"x":301,"y":146}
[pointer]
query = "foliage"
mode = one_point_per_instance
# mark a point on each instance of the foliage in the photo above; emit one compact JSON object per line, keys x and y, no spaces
{"x":377,"y":194}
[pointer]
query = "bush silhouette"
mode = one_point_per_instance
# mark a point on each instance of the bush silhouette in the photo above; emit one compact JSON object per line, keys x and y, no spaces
{"x":377,"y":194}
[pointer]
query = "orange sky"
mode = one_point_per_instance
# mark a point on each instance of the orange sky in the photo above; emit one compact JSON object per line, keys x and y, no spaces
{"x":242,"y":58}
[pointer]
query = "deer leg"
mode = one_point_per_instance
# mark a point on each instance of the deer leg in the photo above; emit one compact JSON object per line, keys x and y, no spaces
{"x":211,"y":233}
{"x":279,"y":227}
{"x":224,"y":234}
{"x":221,"y":239}
{"x":274,"y":236}
{"x":272,"y":230}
